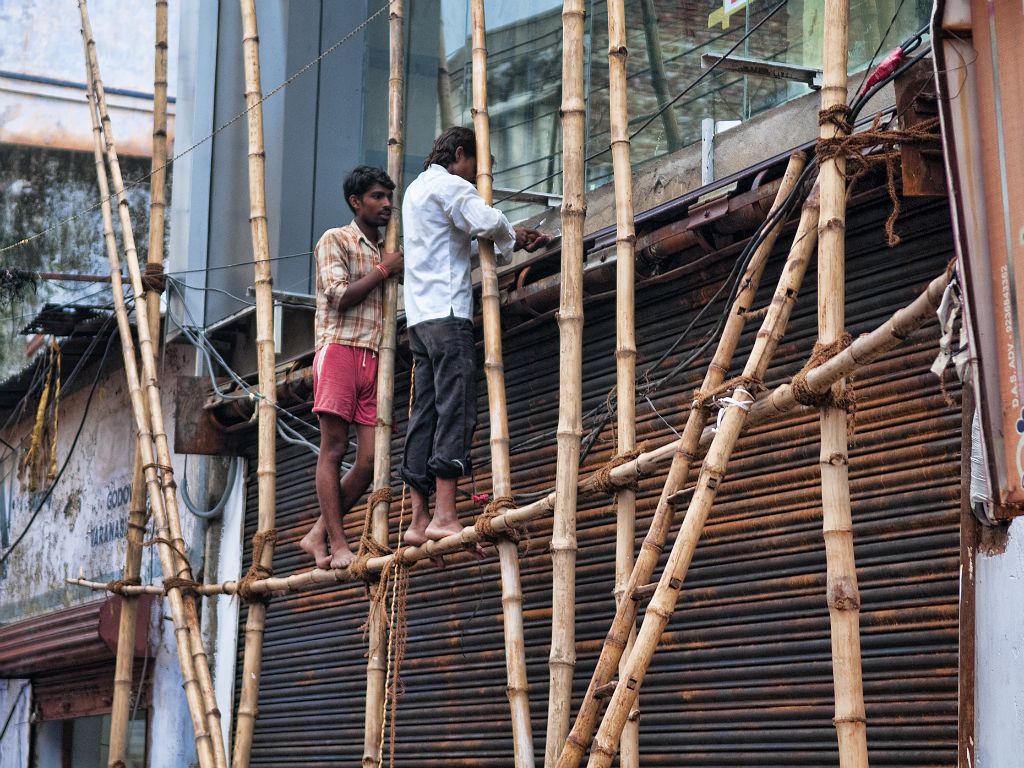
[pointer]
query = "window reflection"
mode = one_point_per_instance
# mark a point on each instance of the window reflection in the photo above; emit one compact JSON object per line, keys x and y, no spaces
{"x":666,"y":39}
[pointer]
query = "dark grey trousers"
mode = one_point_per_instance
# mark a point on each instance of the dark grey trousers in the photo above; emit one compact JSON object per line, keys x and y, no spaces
{"x":440,"y":433}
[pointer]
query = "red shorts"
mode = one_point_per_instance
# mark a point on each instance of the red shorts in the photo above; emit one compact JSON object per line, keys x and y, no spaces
{"x":345,"y":383}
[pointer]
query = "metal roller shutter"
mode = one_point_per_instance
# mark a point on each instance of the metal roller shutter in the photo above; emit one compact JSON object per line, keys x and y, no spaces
{"x":743,"y":677}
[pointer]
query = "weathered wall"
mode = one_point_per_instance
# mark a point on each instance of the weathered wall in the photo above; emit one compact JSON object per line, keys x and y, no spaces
{"x":999,"y":653}
{"x":42,"y":97}
{"x":80,"y":529}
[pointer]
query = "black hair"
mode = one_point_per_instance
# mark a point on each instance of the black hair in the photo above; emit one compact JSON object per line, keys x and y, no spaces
{"x":361,"y":179}
{"x":443,"y":153}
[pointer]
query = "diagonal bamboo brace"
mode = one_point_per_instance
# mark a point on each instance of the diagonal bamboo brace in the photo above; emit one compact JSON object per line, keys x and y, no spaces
{"x":147,"y":410}
{"x":711,"y":476}
{"x":120,"y":707}
{"x":682,"y":456}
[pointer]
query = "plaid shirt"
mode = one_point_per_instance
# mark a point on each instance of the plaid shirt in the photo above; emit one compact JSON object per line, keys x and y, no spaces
{"x":344,"y":255}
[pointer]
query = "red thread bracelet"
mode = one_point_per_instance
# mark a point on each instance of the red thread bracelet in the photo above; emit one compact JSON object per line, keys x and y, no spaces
{"x":383,"y":270}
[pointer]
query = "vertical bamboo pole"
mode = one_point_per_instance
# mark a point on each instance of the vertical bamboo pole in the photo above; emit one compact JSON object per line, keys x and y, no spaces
{"x":625,"y":332}
{"x":501,"y":473}
{"x":625,"y":612}
{"x":843,"y":596}
{"x":376,"y":658}
{"x":169,"y":562}
{"x":562,"y":659}
{"x":444,"y":84}
{"x":266,"y":471}
{"x":712,"y":474}
{"x":121,"y":704}
{"x":659,"y":80}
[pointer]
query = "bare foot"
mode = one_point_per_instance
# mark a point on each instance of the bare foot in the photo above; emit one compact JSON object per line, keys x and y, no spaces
{"x":314,"y":544}
{"x":438,"y":531}
{"x":414,"y":537}
{"x":342,"y":557}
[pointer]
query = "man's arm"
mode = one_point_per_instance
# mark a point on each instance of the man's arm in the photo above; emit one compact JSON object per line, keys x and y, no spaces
{"x":472,"y":215}
{"x":355,"y":292}
{"x":333,"y":264}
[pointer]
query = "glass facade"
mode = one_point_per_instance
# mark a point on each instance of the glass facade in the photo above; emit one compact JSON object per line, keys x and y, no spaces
{"x":666,"y":39}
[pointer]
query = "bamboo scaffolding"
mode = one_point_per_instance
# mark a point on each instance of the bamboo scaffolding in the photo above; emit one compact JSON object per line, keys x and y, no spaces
{"x":623,"y":624}
{"x":712,"y":474}
{"x":562,"y":658}
{"x":625,"y":332}
{"x":376,"y":657}
{"x":148,"y":417}
{"x":494,"y":368}
{"x":266,"y":470}
{"x":779,"y":402}
{"x":843,"y":596}
{"x":444,"y":85}
{"x":120,"y":708}
{"x":659,"y":80}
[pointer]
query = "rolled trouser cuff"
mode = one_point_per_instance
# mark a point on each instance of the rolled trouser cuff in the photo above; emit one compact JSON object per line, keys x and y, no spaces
{"x":449,"y":468}
{"x":422,"y":483}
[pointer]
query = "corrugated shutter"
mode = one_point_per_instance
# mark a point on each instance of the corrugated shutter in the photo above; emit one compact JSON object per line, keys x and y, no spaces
{"x":743,"y":677}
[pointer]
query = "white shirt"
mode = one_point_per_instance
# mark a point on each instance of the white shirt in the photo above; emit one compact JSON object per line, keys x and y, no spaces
{"x":441,"y":214}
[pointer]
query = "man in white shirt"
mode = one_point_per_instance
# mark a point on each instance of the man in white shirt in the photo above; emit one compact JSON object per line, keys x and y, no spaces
{"x":441,"y":214}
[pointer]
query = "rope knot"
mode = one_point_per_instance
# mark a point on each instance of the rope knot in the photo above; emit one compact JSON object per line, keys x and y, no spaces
{"x":484,"y":524}
{"x":117,"y":586}
{"x":380,"y":495}
{"x":153,"y":278}
{"x":603,"y":476}
{"x":845,"y":398}
{"x":257,"y":571}
{"x":186,"y":586}
{"x":839,"y":115}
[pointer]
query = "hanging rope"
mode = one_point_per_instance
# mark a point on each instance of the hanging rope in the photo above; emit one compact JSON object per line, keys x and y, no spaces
{"x":855,"y":146}
{"x":44,"y":434}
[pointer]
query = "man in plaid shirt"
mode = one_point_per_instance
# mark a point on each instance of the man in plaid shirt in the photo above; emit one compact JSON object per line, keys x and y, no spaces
{"x":351,"y":270}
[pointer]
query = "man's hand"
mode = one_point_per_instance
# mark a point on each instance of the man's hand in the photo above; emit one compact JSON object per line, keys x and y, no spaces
{"x":530,"y":239}
{"x":393,"y":261}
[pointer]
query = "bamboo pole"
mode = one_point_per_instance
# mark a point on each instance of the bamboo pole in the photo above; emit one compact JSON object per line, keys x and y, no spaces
{"x":444,"y":85}
{"x":659,"y":80}
{"x":683,"y":455}
{"x":494,"y":369}
{"x":562,"y":658}
{"x":376,"y":658}
{"x":843,"y":595}
{"x":779,"y":402}
{"x":712,"y":474}
{"x":266,"y":471}
{"x":120,"y":708}
{"x":625,"y":330}
{"x":183,"y":569}
{"x":169,"y":562}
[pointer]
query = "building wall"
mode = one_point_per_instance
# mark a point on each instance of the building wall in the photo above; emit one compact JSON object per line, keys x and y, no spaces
{"x":999,"y":696}
{"x":80,"y":531}
{"x":42,"y":72}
